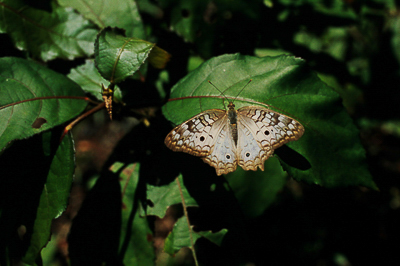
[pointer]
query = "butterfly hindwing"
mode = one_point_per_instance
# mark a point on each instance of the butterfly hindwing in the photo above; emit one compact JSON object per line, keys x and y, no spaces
{"x":250,"y":152}
{"x":223,"y":156}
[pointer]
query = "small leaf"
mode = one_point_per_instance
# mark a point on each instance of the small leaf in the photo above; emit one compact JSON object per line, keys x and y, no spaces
{"x":90,"y":80}
{"x":165,"y":196}
{"x":30,"y":91}
{"x":180,"y":237}
{"x":118,"y":57}
{"x":216,"y":237}
{"x":60,"y":34}
{"x":158,"y":57}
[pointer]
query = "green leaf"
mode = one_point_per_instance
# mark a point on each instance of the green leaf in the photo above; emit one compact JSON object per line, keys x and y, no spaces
{"x":395,"y":41}
{"x":269,"y":3}
{"x":118,"y":57}
{"x":158,"y":57}
{"x":180,"y":237}
{"x":334,"y":42}
{"x":215,"y":238}
{"x":90,"y":80}
{"x":34,"y":98}
{"x":54,"y":198}
{"x":151,"y":8}
{"x":256,"y":191}
{"x":186,"y":17}
{"x":335,"y":8}
{"x":103,"y":13}
{"x":211,"y":25}
{"x":165,"y":196}
{"x":136,"y":237}
{"x":330,"y":143}
{"x":60,"y":34}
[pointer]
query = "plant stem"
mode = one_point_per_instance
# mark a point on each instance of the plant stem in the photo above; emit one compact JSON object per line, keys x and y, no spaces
{"x":187,"y":218}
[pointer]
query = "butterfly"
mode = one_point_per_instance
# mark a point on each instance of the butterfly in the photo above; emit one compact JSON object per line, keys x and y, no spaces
{"x":227,"y":138}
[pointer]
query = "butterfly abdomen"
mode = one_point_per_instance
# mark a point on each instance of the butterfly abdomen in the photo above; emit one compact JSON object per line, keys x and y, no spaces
{"x":232,"y":116}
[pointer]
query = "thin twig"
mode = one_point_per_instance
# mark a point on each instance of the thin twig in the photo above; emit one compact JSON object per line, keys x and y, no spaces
{"x":190,"y":228}
{"x":81,"y":117}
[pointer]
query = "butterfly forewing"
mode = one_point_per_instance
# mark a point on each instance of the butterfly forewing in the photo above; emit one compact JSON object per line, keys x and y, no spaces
{"x":271,"y":129}
{"x":197,"y":135}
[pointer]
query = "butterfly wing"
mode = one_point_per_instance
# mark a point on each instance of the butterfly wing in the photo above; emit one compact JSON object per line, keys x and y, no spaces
{"x":223,"y":156}
{"x":197,"y":135}
{"x":266,"y":128}
{"x":251,"y":154}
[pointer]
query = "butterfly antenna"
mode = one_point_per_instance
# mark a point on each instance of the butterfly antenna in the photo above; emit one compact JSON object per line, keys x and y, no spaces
{"x":243,"y":89}
{"x":222,"y":92}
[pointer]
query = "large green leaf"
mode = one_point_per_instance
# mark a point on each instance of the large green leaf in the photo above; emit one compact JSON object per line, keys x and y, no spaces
{"x":54,"y":198}
{"x":62,"y":33}
{"x":34,"y":98}
{"x":330,"y":143}
{"x":256,"y":191}
{"x":103,"y":13}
